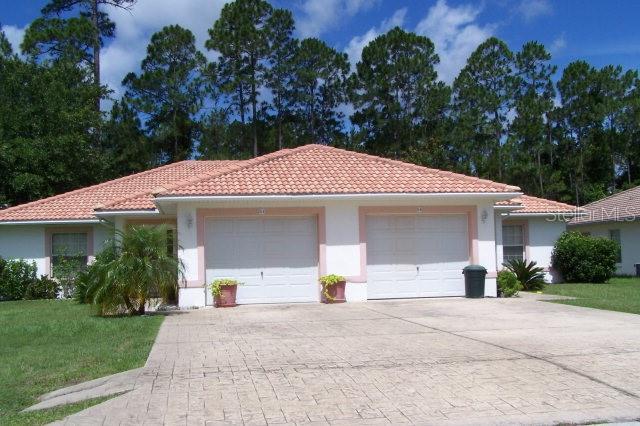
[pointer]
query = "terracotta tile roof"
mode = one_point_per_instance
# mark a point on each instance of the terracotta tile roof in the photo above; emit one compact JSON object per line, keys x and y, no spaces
{"x":318,"y":169}
{"x":134,"y":190}
{"x":531,"y":204}
{"x":311,"y":169}
{"x":623,"y":206}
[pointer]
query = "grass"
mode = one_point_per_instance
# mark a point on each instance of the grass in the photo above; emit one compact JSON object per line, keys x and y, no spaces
{"x":49,"y":344}
{"x":618,"y":294}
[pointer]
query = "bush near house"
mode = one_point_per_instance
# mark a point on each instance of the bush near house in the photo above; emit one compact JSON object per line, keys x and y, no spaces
{"x":19,"y":280}
{"x":586,"y":259}
{"x":508,"y":284}
{"x":529,"y":274}
{"x":134,"y":267}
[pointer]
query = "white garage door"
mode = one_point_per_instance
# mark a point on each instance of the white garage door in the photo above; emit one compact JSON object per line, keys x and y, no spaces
{"x":275,"y":258}
{"x":416,"y":256}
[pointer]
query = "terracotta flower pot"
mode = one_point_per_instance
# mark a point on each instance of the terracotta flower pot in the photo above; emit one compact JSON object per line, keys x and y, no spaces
{"x":336,"y":293}
{"x":227,"y":297}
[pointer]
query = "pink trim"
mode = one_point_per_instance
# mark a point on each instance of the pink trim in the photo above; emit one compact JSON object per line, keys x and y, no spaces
{"x":203,"y":214}
{"x":363,"y":212}
{"x":48,"y":232}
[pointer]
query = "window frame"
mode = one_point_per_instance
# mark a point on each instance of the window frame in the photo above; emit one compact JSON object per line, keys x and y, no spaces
{"x":49,"y":232}
{"x":525,"y":239}
{"x":618,"y":240}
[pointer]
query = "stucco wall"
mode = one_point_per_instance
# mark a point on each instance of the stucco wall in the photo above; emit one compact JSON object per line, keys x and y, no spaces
{"x":342,"y":234}
{"x":28,"y":242}
{"x":542,"y":235}
{"x":23,"y":242}
{"x":629,"y":241}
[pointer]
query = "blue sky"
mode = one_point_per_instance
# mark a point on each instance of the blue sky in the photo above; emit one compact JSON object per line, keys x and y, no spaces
{"x":600,"y":32}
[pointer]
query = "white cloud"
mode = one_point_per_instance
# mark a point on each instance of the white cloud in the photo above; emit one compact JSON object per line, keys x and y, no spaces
{"x":455,"y":33}
{"x":532,"y":9}
{"x":14,"y":35}
{"x":318,"y":16}
{"x":558,"y":44}
{"x":134,"y":29}
{"x":357,"y":43}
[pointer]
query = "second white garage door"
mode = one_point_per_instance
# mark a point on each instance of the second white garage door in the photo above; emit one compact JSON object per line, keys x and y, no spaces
{"x":416,"y":256}
{"x":275,"y":258}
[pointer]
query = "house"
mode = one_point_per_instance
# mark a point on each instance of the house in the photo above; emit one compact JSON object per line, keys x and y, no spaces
{"x":616,"y":217}
{"x":277,"y":222}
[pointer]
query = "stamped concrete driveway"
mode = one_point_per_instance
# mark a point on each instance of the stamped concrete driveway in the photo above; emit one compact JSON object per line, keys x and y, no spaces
{"x":428,"y":361}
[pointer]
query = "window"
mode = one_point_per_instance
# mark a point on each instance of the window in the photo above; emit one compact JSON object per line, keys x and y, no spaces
{"x":171,"y":242}
{"x":68,"y":250}
{"x":614,"y":235}
{"x":512,"y":242}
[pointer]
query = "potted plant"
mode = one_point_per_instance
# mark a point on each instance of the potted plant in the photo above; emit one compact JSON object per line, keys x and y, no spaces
{"x":333,"y":288}
{"x":224,"y":292}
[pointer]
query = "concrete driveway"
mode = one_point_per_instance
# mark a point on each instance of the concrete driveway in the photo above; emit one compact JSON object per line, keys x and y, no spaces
{"x":427,"y":361}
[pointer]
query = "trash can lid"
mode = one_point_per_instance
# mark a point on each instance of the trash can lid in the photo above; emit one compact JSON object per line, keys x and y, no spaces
{"x":475,"y":268}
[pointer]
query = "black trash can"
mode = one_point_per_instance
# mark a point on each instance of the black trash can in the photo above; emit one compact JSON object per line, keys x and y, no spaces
{"x":637,"y":265}
{"x":474,"y":276}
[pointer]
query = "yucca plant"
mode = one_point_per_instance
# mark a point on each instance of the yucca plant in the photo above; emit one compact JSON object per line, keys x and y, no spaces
{"x":134,"y":265}
{"x":530,"y":276}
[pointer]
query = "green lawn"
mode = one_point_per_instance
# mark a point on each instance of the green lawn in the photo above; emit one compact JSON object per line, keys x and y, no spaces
{"x":49,"y":344}
{"x":619,"y":294}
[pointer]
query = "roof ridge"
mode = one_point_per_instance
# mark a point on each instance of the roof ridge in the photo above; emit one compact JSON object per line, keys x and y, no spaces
{"x":611,"y":196}
{"x":243,"y":165}
{"x":422,"y":169}
{"x":151,"y":191}
{"x":87,"y":188}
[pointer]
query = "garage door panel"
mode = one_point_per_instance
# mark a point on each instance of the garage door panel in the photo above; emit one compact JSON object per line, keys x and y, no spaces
{"x":416,"y":256}
{"x":275,"y":258}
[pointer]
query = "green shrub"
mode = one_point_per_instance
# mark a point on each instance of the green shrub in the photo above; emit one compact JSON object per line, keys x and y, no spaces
{"x":134,"y":266}
{"x":15,"y":277}
{"x":530,"y":276}
{"x":19,"y":280}
{"x":582,"y":258}
{"x":43,"y":288}
{"x":508,"y":284}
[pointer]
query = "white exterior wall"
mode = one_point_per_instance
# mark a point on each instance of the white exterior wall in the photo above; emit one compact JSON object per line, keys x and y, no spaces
{"x":487,"y":246}
{"x":27,"y":242}
{"x":101,"y":233}
{"x":24,"y":242}
{"x":542,"y":235}
{"x":629,"y":241}
{"x":342,"y":237}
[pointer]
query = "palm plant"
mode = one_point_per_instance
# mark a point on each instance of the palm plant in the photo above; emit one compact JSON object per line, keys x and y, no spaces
{"x":530,"y":276}
{"x":133,"y":266}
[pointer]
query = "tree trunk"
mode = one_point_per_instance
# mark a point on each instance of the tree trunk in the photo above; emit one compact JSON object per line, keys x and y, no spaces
{"x":254,"y":108}
{"x":279,"y":132}
{"x":96,"y":49}
{"x":241,"y":105}
{"x":540,"y":173}
{"x":175,"y":137}
{"x":141,"y":307}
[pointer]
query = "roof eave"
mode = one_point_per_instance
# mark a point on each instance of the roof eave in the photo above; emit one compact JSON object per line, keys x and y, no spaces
{"x":491,"y":195}
{"x":51,"y":222}
{"x":543,"y":214}
{"x":629,"y":219}
{"x":137,"y":212}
